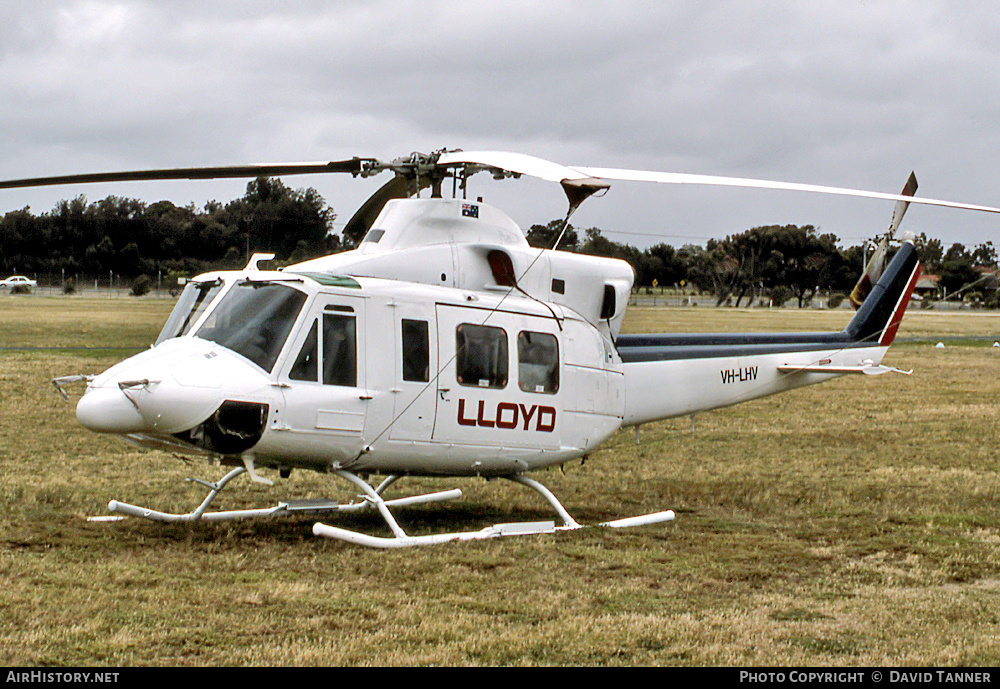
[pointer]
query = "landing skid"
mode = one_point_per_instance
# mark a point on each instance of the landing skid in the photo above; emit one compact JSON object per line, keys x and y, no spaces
{"x":371,"y":498}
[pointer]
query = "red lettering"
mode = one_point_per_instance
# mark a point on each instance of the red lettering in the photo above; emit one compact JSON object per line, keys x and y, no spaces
{"x":501,"y":408}
{"x":487,"y":423}
{"x":509,"y":415}
{"x":462,"y":421}
{"x":550,"y":425}
{"x":528,"y":414}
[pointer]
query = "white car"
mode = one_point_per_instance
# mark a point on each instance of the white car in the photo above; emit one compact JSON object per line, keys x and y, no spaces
{"x":18,"y":280}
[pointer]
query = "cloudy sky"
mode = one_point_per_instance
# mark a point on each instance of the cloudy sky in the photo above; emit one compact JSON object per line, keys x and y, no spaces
{"x":840,"y":93}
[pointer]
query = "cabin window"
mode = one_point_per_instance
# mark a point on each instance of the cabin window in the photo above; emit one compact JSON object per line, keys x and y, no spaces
{"x":254,"y":319}
{"x":481,"y":356}
{"x":340,"y":350}
{"x":538,"y":362}
{"x":416,"y":351}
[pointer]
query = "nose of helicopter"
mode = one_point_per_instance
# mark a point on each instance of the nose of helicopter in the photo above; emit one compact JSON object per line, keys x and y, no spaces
{"x":171,"y":388}
{"x":109,"y":410}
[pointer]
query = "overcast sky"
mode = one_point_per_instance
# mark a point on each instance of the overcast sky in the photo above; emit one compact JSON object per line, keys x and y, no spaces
{"x":841,"y":93}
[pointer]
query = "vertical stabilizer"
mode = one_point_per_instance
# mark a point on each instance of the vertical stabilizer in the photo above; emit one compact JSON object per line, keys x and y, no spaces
{"x":879,"y":317}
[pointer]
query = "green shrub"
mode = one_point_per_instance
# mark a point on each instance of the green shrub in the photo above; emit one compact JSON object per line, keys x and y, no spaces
{"x":779,"y":295}
{"x":141,"y":285}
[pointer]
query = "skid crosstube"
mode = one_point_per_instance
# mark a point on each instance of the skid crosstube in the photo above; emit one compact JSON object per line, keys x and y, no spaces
{"x":371,"y":498}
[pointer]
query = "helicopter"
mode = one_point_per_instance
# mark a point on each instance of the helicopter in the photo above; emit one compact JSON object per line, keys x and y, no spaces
{"x":445,"y":346}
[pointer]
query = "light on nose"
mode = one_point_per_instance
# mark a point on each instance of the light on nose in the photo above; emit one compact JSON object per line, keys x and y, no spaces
{"x":108,"y":410}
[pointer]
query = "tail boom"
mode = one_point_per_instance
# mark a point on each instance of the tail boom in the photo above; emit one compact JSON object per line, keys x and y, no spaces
{"x":676,"y":374}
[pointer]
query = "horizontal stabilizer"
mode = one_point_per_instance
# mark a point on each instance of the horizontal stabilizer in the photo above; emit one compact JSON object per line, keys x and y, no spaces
{"x":869,"y":369}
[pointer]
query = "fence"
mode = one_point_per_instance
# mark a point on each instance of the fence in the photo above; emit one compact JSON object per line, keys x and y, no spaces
{"x":108,"y":284}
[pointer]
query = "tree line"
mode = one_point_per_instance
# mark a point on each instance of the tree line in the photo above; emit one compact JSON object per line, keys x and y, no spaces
{"x":131,"y":238}
{"x":776,"y":261}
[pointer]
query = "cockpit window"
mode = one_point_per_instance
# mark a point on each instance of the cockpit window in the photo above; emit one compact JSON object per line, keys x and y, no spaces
{"x":254,"y":319}
{"x":340,"y":351}
{"x":306,"y":364}
{"x":192,"y":303}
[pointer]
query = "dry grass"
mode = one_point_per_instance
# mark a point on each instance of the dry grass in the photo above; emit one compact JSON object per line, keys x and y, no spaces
{"x":918,"y":323}
{"x":853,"y":523}
{"x":81,"y":321}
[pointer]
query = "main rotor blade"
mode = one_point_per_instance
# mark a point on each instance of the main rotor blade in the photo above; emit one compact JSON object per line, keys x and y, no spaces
{"x":517,"y":163}
{"x":682,"y":178}
{"x":353,"y":166}
{"x":577,"y":185}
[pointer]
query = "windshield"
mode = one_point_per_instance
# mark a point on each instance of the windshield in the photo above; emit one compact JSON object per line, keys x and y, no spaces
{"x":192,"y":303}
{"x":254,"y":319}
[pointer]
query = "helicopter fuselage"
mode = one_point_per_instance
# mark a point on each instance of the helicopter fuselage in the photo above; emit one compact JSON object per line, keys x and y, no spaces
{"x":375,"y":376}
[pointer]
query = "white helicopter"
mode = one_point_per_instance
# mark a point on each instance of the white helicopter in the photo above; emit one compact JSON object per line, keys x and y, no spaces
{"x":444,"y":345}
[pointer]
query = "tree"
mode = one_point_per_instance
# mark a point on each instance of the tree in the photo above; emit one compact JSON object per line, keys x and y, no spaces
{"x":597,"y":244}
{"x":672,"y":268}
{"x":930,"y":252}
{"x":714,"y":269}
{"x":754,"y":252}
{"x":805,"y":261}
{"x":272,"y":217}
{"x":985,"y":255}
{"x":544,"y":236}
{"x":957,"y":269}
{"x":16,"y":231}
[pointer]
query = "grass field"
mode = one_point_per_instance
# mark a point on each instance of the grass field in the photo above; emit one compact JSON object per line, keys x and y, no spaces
{"x":855,"y":523}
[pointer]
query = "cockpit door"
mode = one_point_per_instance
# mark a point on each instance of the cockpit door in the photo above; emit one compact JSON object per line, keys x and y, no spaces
{"x":324,"y":381}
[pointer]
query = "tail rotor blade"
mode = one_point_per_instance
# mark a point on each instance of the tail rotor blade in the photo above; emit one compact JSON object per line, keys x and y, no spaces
{"x":909,"y":189}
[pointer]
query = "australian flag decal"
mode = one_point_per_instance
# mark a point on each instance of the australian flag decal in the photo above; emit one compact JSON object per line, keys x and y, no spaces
{"x":470,"y":210}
